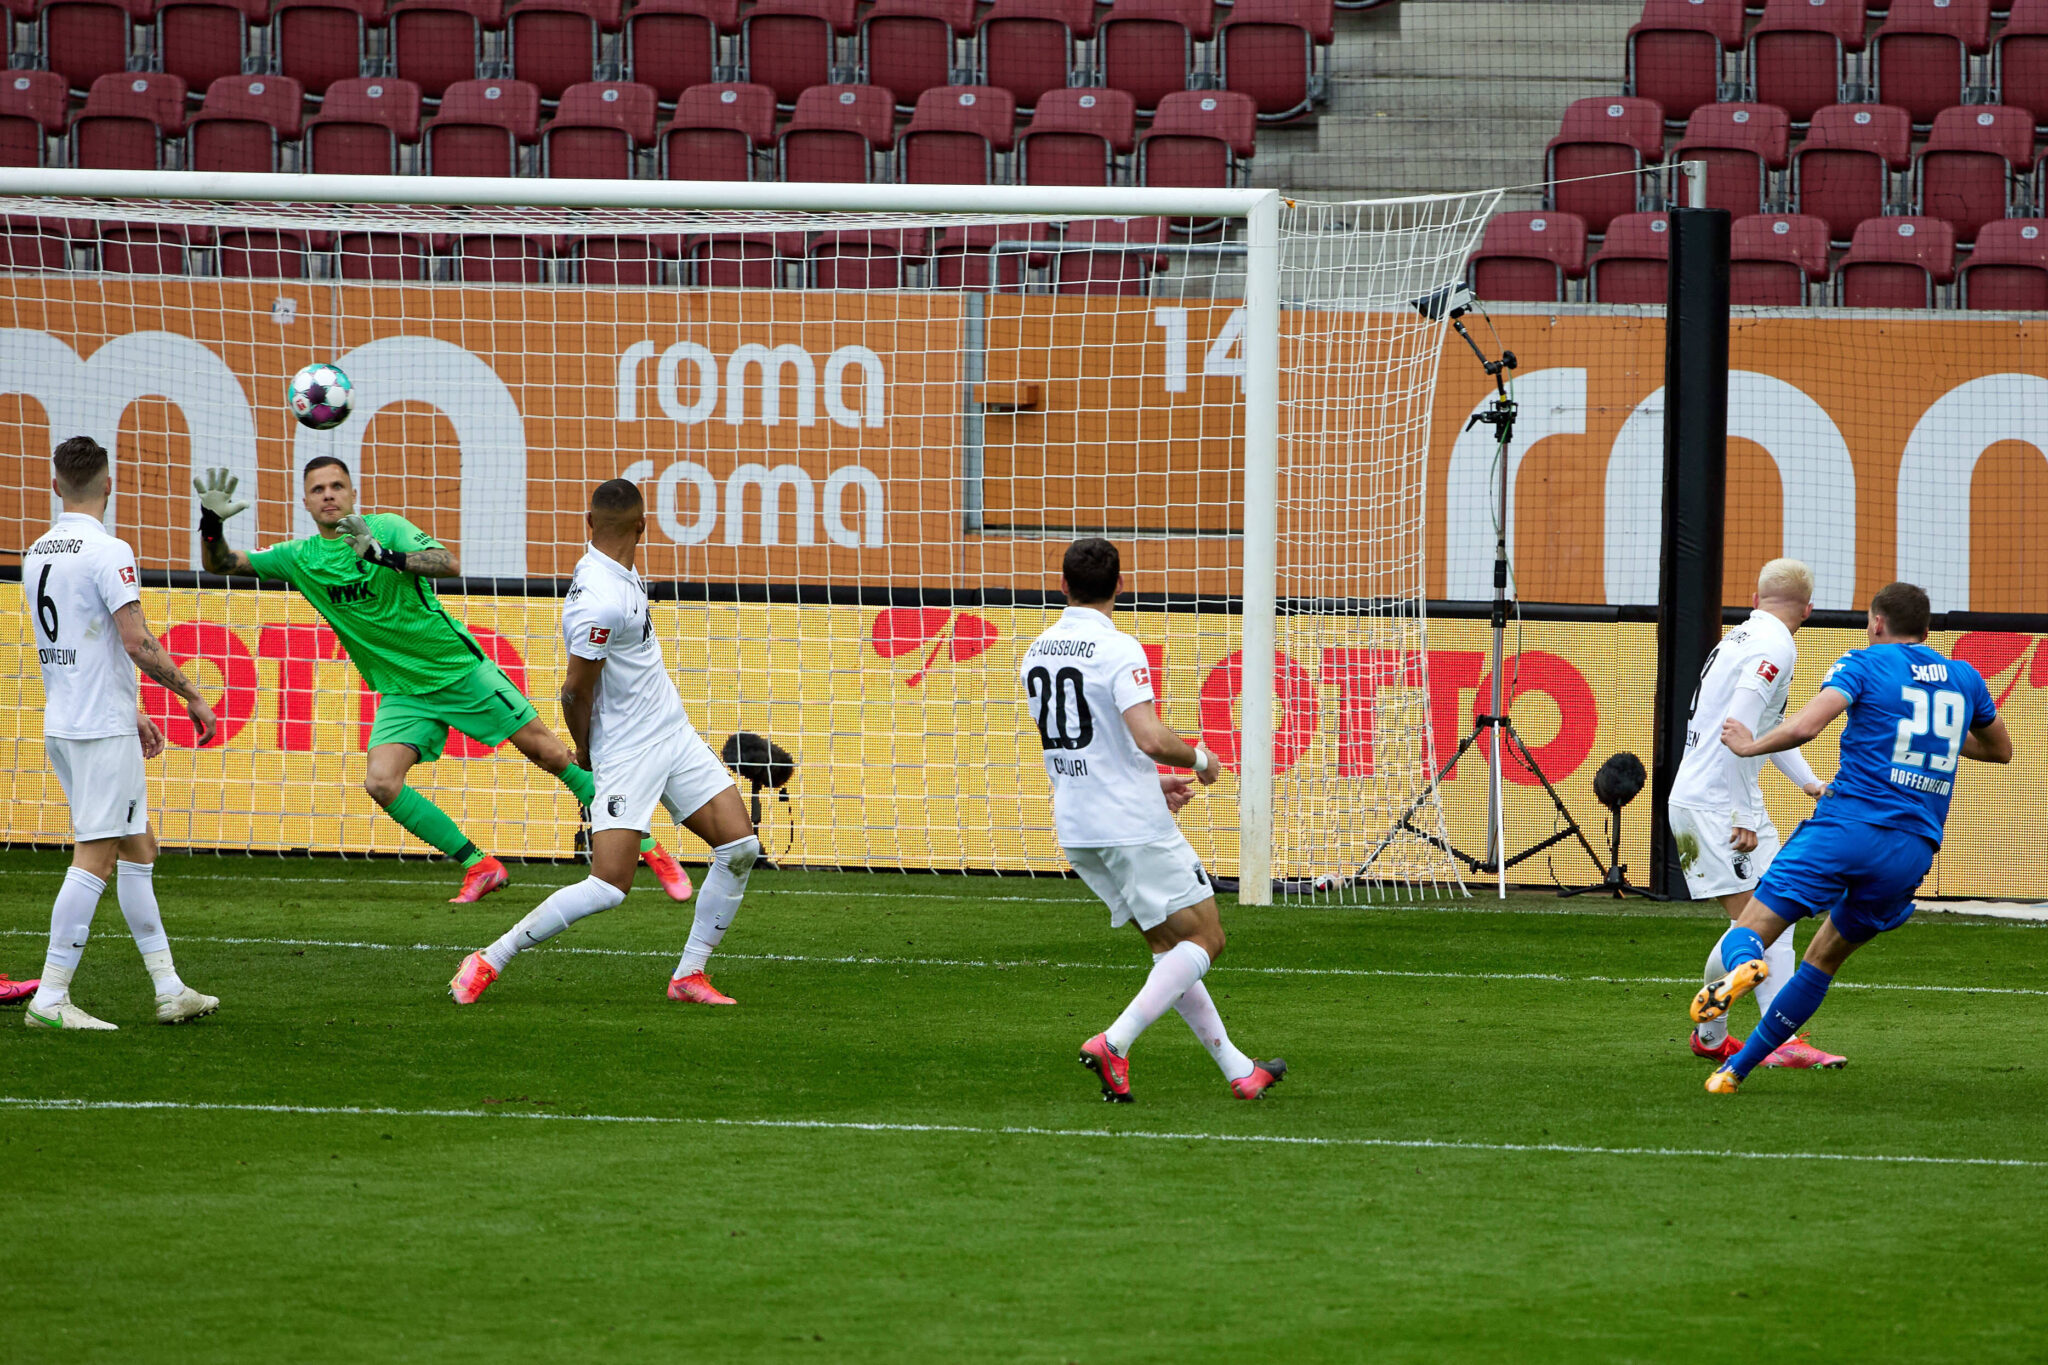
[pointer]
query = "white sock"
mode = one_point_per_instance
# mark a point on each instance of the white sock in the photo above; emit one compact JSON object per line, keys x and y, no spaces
{"x":1199,"y":1010}
{"x":579,"y":900}
{"x":1783,"y":963}
{"x":718,"y":900}
{"x":70,"y":926}
{"x":1714,"y":1030}
{"x":1176,"y":969}
{"x":135,"y":884}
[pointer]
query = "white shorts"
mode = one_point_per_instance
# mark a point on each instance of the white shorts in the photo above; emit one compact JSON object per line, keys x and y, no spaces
{"x":1712,"y":866}
{"x":105,"y":783}
{"x":679,"y":772}
{"x":1144,"y":882}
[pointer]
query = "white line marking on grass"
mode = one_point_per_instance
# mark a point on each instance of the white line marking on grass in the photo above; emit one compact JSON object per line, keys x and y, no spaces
{"x":971,"y":1130}
{"x":995,"y":964}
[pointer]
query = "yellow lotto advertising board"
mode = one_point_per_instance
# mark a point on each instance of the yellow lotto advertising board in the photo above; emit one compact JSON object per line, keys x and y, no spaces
{"x":913,"y":749}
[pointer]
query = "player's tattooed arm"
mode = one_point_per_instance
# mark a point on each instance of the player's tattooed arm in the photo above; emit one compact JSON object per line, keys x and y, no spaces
{"x":159,"y":667}
{"x":438,"y":562}
{"x":221,"y":558}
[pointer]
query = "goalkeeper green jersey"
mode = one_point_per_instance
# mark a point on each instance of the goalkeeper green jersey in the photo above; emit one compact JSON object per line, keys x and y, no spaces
{"x":397,"y":633}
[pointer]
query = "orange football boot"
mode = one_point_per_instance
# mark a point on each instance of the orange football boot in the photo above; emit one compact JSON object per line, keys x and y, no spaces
{"x":698,"y":990}
{"x":1716,"y":996}
{"x":1724,"y":1081}
{"x":1113,"y":1071}
{"x":480,"y":881}
{"x":471,"y":979}
{"x":669,"y":873}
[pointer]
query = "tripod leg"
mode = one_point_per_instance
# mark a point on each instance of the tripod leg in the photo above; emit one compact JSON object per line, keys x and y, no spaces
{"x":1529,"y":761}
{"x":1403,"y":823}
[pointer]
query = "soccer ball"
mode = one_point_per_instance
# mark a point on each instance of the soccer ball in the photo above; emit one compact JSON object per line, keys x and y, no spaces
{"x":320,"y":396}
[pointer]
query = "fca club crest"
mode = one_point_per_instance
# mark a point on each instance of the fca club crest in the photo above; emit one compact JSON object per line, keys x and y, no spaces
{"x":614,"y":805}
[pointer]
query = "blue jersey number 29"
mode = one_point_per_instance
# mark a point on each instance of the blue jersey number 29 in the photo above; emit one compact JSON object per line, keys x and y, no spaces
{"x":1943,"y":714}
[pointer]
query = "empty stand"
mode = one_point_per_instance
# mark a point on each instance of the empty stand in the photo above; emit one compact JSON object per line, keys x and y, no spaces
{"x":382,"y":256}
{"x":262,"y":254}
{"x":1147,"y":47}
{"x":1743,"y":146}
{"x":1842,"y":172}
{"x":792,"y":45}
{"x":435,"y":43}
{"x":599,"y":130}
{"x":126,"y":119}
{"x":1922,"y":53}
{"x":498,"y":259}
{"x":908,"y":46}
{"x":319,"y":42}
{"x":979,"y":256}
{"x":142,"y":250}
{"x":1896,"y":263}
{"x":672,"y":45}
{"x":1971,"y":163}
{"x":631,"y":262}
{"x":2021,"y":58}
{"x":1199,"y":139}
{"x":1117,"y":255}
{"x":1530,"y":257}
{"x":28,"y":248}
{"x":866,"y":259}
{"x":741,"y":260}
{"x":83,"y":40}
{"x":555,"y":42}
{"x":1609,"y":138}
{"x":835,"y":133}
{"x":481,"y":127}
{"x":2009,"y":269}
{"x":203,"y":40}
{"x":361,"y":126}
{"x":32,"y":111}
{"x":1027,"y":46}
{"x":1773,"y":257}
{"x":955,"y":134}
{"x":243,"y":122}
{"x":1633,"y":261}
{"x":716,"y":130}
{"x":1676,"y":52}
{"x":1797,"y":51}
{"x":1076,"y":136}
{"x":1271,"y":50}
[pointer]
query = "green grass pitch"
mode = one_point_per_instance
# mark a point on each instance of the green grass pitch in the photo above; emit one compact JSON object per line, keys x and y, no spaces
{"x":1493,"y":1145}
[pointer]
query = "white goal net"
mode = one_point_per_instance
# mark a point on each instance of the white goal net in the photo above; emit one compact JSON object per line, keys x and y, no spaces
{"x":866,"y":432}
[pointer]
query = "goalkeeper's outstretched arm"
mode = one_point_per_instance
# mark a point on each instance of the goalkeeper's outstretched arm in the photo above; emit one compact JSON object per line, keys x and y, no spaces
{"x":217,"y":502}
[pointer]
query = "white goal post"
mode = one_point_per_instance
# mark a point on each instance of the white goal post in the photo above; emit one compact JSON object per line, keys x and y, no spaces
{"x":1313,"y":541}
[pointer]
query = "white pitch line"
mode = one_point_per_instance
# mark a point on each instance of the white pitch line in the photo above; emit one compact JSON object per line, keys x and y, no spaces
{"x":1001,"y":965}
{"x":1015,"y":1130}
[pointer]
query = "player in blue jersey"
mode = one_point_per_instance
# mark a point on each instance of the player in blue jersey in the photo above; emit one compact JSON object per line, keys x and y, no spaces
{"x":1913,"y":714}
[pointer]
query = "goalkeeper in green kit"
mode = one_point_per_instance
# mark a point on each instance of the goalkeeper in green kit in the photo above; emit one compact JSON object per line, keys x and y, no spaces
{"x":371,"y":578}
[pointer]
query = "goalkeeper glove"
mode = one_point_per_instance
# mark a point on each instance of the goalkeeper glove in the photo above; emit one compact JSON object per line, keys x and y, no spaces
{"x":364,"y":542}
{"x":217,"y":501}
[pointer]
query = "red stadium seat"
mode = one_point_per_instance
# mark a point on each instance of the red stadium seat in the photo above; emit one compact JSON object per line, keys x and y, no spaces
{"x":1118,"y":258}
{"x":1199,"y":139}
{"x":2022,"y":58}
{"x":1147,"y":47}
{"x":673,"y":44}
{"x":1610,"y":138}
{"x":319,"y":42}
{"x":555,"y":42}
{"x":1675,"y":52}
{"x":1796,"y":53}
{"x":435,"y":43}
{"x":23,"y":248}
{"x":599,"y":130}
{"x":1632,"y":263}
{"x":1896,"y":263}
{"x":383,"y":256}
{"x":262,"y":254}
{"x":1272,"y":51}
{"x":974,"y":256}
{"x":1842,"y":171}
{"x":32,"y":111}
{"x":481,"y":127}
{"x":1529,"y":257}
{"x":869,"y":259}
{"x":630,"y":262}
{"x":243,"y":121}
{"x":360,"y":126}
{"x":84,"y":40}
{"x":792,"y":45}
{"x":499,"y":259}
{"x":909,"y":46}
{"x":2009,"y":269}
{"x":1742,"y":145}
{"x":955,"y":134}
{"x":125,"y":120}
{"x":716,"y":131}
{"x":143,"y":250}
{"x":1922,"y":54}
{"x":742,"y":260}
{"x":203,"y":40}
{"x":1027,"y":46}
{"x":835,"y":133}
{"x":1075,"y":137}
{"x":1972,"y":161}
{"x":1773,"y":257}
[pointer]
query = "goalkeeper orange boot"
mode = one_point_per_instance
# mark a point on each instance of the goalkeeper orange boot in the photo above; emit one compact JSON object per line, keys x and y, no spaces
{"x":669,"y":873}
{"x":1716,"y":996}
{"x":1265,"y":1075}
{"x":696,"y":988}
{"x":472,"y":978}
{"x":480,"y":881}
{"x":1113,"y":1071}
{"x":12,"y":990}
{"x":1728,"y":1047}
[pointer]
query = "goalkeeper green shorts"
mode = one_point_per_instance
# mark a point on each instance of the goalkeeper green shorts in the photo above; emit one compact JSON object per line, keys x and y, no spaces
{"x":485,"y":706}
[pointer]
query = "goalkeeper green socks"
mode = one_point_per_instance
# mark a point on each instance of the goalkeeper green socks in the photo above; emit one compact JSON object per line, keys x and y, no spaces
{"x":584,"y":787}
{"x":433,"y":826}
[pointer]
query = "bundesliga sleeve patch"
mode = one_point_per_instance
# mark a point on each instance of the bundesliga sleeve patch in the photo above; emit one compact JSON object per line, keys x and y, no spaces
{"x":1767,"y":670}
{"x":128,"y":573}
{"x":1142,"y":676}
{"x":600,"y":634}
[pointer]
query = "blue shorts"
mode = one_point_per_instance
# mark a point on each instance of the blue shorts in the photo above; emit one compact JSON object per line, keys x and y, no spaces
{"x":1860,"y":876}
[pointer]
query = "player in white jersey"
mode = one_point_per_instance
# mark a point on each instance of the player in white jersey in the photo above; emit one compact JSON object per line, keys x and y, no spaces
{"x":85,"y":612}
{"x":1088,"y":690}
{"x":627,"y":725}
{"x":1725,"y":837}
